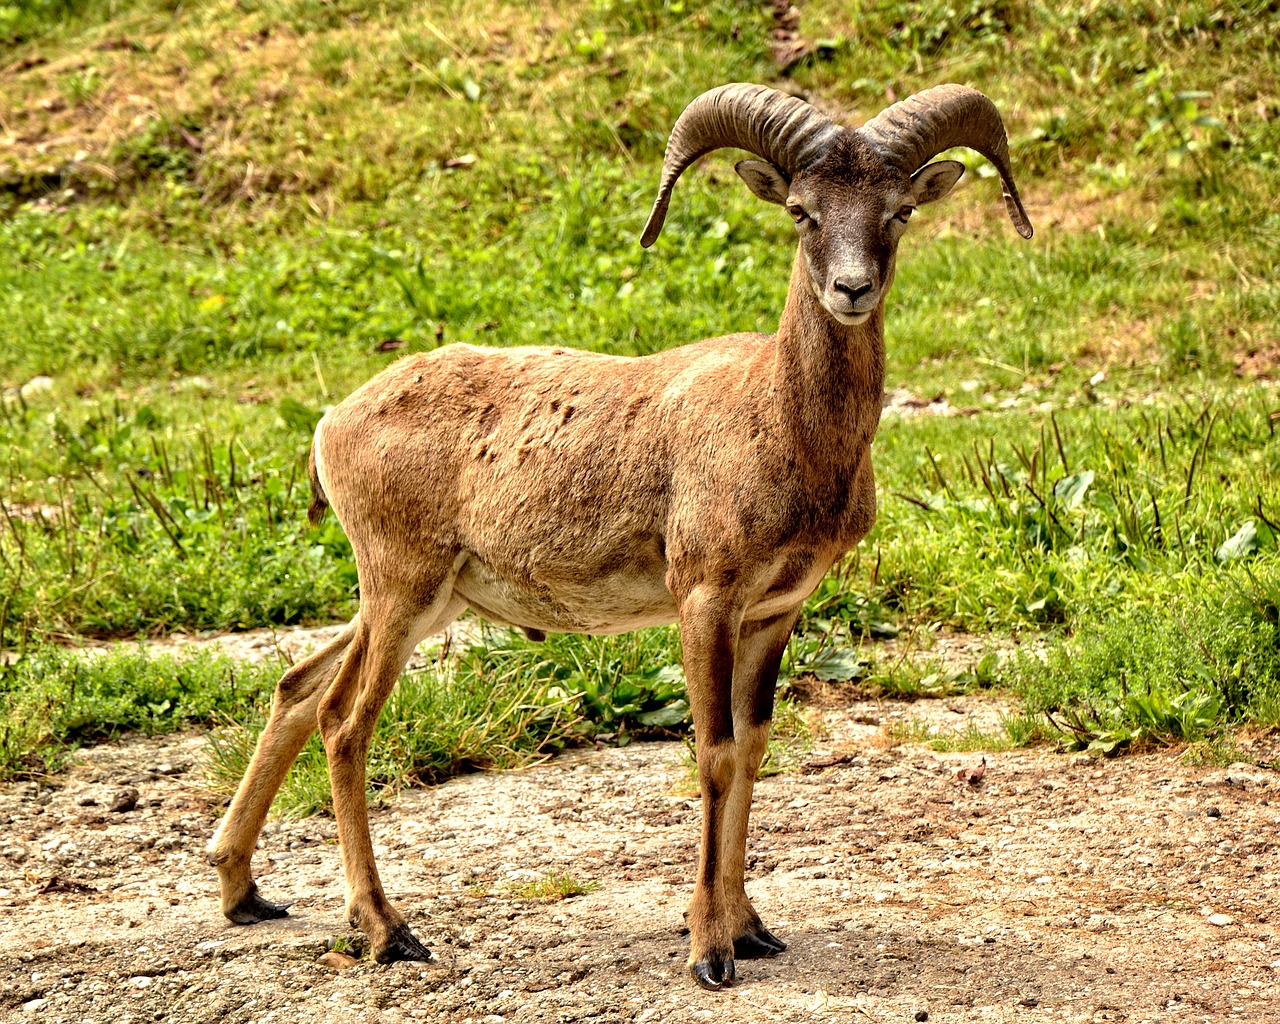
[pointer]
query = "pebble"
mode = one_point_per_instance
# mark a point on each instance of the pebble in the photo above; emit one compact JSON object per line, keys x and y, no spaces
{"x":125,"y":800}
{"x":37,"y":386}
{"x":1221,"y":920}
{"x":337,"y":961}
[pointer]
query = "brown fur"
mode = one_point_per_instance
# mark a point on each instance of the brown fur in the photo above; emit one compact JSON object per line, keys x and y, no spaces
{"x":711,"y":485}
{"x":319,"y":503}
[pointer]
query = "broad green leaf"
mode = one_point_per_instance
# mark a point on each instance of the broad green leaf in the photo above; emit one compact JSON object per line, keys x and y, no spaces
{"x":836,"y":664}
{"x":1070,"y":490}
{"x":673,"y":714}
{"x":1243,"y":542}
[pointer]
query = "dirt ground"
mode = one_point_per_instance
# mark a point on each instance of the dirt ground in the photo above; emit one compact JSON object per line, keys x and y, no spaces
{"x":1059,"y":889}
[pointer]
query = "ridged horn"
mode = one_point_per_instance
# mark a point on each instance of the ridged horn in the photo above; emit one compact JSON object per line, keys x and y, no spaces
{"x":913,"y":130}
{"x":786,"y":131}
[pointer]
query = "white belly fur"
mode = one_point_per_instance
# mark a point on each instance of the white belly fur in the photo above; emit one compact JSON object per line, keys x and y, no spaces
{"x":614,"y":603}
{"x":618,"y":602}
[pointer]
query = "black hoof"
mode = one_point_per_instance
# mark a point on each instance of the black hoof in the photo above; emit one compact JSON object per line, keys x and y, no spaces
{"x":757,"y":944}
{"x":252,"y":908}
{"x":715,"y":972}
{"x":402,"y":945}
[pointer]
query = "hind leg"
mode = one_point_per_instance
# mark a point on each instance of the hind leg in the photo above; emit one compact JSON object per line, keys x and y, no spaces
{"x":292,"y":721}
{"x":391,"y":624}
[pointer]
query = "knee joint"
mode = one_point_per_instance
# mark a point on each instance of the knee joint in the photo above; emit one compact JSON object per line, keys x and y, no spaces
{"x":716,"y":765}
{"x":290,"y":687}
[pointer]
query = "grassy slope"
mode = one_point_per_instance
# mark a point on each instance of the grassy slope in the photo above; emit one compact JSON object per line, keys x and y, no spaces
{"x":220,"y":218}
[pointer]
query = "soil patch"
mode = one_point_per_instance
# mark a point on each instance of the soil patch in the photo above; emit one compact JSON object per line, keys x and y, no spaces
{"x":1060,"y":889}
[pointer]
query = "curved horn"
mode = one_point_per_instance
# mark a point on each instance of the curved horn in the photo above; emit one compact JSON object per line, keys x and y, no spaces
{"x":921,"y":126}
{"x":786,"y":131}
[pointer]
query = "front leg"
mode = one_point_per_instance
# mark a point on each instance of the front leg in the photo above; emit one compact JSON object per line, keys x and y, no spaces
{"x":761,"y":645}
{"x":709,"y":626}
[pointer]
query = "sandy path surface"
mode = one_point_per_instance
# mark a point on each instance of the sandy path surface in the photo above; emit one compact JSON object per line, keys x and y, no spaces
{"x":1060,"y":889}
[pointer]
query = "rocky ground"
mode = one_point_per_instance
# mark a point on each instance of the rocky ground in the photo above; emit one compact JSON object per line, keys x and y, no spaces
{"x":1057,"y":889}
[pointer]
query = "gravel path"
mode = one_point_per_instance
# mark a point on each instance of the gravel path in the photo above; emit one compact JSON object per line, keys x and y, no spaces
{"x":1060,"y":889}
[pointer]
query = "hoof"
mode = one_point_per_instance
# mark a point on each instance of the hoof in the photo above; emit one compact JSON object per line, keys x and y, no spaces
{"x":757,"y":944}
{"x":402,"y":945}
{"x":252,"y":908}
{"x":714,"y":972}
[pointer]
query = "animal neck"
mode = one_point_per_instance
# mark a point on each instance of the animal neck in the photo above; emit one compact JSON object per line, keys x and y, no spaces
{"x":829,"y":376}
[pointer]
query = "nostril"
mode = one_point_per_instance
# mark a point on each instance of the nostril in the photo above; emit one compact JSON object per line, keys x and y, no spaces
{"x":853,"y":289}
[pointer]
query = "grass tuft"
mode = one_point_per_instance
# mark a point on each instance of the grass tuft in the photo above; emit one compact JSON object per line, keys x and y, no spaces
{"x":553,"y":887}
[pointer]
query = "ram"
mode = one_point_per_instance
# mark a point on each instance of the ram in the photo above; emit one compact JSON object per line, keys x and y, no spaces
{"x":712,"y":485}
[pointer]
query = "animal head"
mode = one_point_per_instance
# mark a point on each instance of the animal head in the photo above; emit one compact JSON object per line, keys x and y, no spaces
{"x":850,"y":192}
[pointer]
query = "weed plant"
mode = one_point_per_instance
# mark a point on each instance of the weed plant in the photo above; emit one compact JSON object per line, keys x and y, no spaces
{"x":552,"y":887}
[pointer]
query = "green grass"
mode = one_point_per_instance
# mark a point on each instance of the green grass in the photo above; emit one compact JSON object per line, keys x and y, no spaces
{"x":119,"y":524}
{"x":218,"y":219}
{"x":553,"y":887}
{"x":53,"y":701}
{"x":1176,"y":670}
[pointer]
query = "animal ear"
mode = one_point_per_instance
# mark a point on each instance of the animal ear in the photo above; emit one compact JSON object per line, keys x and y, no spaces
{"x":933,"y":181}
{"x":766,"y":181}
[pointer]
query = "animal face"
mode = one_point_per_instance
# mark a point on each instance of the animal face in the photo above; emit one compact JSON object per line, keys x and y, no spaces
{"x":850,"y":211}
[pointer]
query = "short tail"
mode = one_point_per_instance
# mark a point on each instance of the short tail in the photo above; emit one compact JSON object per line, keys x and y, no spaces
{"x":315,"y":511}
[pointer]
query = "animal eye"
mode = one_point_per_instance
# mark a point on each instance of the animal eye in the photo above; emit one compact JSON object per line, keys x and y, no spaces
{"x":797,"y":212}
{"x":904,"y":214}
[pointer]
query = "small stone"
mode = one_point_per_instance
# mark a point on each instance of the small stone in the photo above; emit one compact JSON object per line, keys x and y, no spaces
{"x":37,"y":386}
{"x":1213,"y":812}
{"x":33,"y":1005}
{"x":86,"y":801}
{"x":336,"y":961}
{"x":922,"y":1015}
{"x":1221,"y":920}
{"x":125,"y":800}
{"x":171,"y":768}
